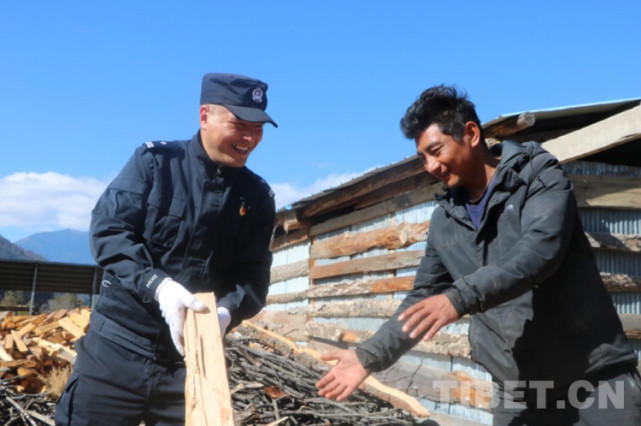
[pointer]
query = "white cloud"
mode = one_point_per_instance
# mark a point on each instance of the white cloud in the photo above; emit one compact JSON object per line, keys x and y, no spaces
{"x":45,"y":201}
{"x":38,"y":202}
{"x":288,"y":193}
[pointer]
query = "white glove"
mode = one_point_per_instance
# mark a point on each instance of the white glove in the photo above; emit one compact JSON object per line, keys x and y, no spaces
{"x":173,"y":299}
{"x":224,"y":318}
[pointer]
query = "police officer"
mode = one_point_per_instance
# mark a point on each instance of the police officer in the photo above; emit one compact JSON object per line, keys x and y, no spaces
{"x":181,"y":217}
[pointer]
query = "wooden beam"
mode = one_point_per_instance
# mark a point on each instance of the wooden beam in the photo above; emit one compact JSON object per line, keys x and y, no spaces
{"x":616,"y":283}
{"x":360,"y":287}
{"x":605,"y":134}
{"x":370,"y":308}
{"x":289,"y":271}
{"x":387,"y":192}
{"x":406,"y":200}
{"x":364,"y":186}
{"x":290,"y":239}
{"x":309,"y":356}
{"x":386,"y":262}
{"x":207,"y":395}
{"x":510,"y":126}
{"x":618,"y":242}
{"x":353,"y":288}
{"x":391,"y":238}
{"x":619,"y":192}
{"x":442,"y":343}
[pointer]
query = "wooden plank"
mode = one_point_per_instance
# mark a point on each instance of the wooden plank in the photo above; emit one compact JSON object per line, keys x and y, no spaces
{"x":620,"y":192}
{"x":386,"y":262}
{"x":605,"y":134}
{"x":618,"y":242}
{"x":409,"y":199}
{"x":289,"y":239}
{"x":207,"y":395}
{"x":395,"y":397}
{"x":369,"y":308}
{"x":367,"y":185}
{"x":289,"y":271}
{"x":393,"y":237}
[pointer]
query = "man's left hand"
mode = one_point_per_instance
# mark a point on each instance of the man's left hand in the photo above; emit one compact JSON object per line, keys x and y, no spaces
{"x":429,"y":315}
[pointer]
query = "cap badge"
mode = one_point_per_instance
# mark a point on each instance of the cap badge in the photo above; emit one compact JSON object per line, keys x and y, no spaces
{"x":243,"y":210}
{"x":257,"y":95}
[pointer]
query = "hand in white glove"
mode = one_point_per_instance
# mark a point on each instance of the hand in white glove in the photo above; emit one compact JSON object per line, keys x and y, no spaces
{"x":224,"y":318}
{"x":173,"y":299}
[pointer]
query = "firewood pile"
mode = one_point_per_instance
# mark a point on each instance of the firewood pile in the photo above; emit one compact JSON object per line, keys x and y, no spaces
{"x":269,"y":384}
{"x":269,"y":387}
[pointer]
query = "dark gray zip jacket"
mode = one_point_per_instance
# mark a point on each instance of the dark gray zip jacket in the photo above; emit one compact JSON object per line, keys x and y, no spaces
{"x":527,"y":276}
{"x":173,"y":212}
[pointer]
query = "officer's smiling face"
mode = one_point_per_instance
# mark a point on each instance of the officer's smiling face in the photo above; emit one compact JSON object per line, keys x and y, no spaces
{"x":227,"y":139}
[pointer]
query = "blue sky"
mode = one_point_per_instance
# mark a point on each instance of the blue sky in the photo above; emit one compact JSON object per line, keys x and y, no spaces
{"x":83,"y":83}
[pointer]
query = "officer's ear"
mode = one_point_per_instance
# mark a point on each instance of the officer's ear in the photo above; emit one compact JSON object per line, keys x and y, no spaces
{"x":203,"y":115}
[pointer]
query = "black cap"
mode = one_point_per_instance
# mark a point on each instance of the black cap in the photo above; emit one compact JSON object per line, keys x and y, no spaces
{"x":245,"y":97}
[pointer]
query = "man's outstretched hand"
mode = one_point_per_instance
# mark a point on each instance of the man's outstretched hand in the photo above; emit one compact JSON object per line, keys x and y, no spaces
{"x":344,"y":377}
{"x":428,"y":316}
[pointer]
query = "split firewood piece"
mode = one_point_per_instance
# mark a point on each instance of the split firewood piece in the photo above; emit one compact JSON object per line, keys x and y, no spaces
{"x":17,"y":340}
{"x":207,"y":395}
{"x":80,"y":320}
{"x":61,"y":351}
{"x":71,"y":327}
{"x":26,"y":329}
{"x":44,"y":328}
{"x":4,"y":355}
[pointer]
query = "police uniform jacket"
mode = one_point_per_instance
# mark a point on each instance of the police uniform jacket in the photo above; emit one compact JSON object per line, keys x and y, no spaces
{"x":173,"y":212}
{"x":528,"y":276}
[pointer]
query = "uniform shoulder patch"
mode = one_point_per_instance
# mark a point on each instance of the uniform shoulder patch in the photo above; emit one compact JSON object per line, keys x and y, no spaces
{"x":155,"y":145}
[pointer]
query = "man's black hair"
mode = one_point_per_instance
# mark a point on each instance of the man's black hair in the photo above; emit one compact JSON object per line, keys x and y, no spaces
{"x":444,"y":106}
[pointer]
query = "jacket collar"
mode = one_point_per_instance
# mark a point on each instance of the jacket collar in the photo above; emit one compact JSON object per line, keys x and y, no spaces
{"x":513,"y":157}
{"x":209,"y":168}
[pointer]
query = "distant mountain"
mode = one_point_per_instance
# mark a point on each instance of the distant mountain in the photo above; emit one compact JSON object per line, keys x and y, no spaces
{"x":11,"y":251}
{"x":68,"y":246}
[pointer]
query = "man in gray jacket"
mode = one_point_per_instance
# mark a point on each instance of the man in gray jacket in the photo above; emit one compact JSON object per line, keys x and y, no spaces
{"x":506,"y":246}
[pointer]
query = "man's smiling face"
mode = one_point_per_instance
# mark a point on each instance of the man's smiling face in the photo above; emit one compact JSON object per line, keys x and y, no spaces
{"x":226,"y":138}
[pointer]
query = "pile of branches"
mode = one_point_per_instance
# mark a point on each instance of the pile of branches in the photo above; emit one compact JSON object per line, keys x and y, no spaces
{"x":268,"y":387}
{"x":24,"y":409}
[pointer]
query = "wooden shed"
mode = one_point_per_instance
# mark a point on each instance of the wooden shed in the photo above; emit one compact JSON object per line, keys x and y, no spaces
{"x":345,"y":257}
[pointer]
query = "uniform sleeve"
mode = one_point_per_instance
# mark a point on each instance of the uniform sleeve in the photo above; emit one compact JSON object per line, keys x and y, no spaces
{"x":117,"y":224}
{"x":251,"y":266}
{"x":390,"y":342}
{"x":547,"y":221}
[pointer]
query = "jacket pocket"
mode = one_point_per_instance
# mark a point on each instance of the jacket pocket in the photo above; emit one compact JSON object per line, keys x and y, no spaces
{"x":162,"y":225}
